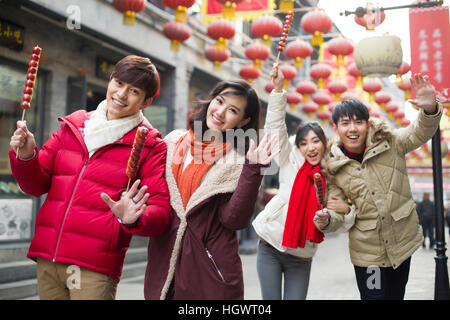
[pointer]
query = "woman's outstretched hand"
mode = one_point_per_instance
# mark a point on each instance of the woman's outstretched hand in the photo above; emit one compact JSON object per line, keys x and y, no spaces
{"x":265,"y":151}
{"x":277,"y":78}
{"x":131,"y":205}
{"x":425,"y":94}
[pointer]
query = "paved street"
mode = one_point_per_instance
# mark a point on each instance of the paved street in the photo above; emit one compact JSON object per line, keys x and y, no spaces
{"x":332,"y":275}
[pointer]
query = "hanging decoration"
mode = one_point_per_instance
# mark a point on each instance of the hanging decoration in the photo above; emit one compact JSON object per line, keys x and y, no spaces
{"x":405,"y":85}
{"x":180,"y":7}
{"x":293,"y":98}
{"x":372,"y":86}
{"x":298,"y":50}
{"x":350,"y":96}
{"x":337,"y":87}
{"x":322,"y":98}
{"x":229,"y":8}
{"x":391,"y":109}
{"x":404,"y":68}
{"x":177,"y":32}
{"x":289,"y":74}
{"x":258,"y":53}
{"x":248,"y":10}
{"x":266,"y":27}
{"x":353,"y":70}
{"x":221,"y":30}
{"x":249,"y":73}
{"x":379,"y":56}
{"x":340,"y":48}
{"x":129,"y":9}
{"x":317,"y":23}
{"x":269,"y":87}
{"x":306,"y":88}
{"x":324,"y":116}
{"x":382,"y":98}
{"x":217,"y":56}
{"x":320,"y":72}
{"x":399,"y":115}
{"x":286,"y":5}
{"x":374,"y":17}
{"x":310,"y":108}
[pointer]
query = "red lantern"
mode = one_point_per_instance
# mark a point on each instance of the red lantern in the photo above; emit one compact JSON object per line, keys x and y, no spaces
{"x":298,"y":50}
{"x":324,"y":116}
{"x":405,"y":85}
{"x":405,"y":122}
{"x":337,"y":87}
{"x":180,"y":7}
{"x":316,"y":23}
{"x":375,"y":114}
{"x":293,"y":98}
{"x":258,"y":53}
{"x":269,"y":87}
{"x":391,"y":108}
{"x":320,"y":72}
{"x":289,"y":74}
{"x":354,"y":71}
{"x":382,"y":97}
{"x":371,"y":86}
{"x":371,"y":19}
{"x":221,"y":30}
{"x":322,"y":99}
{"x":229,"y":8}
{"x":266,"y":27}
{"x":399,"y":115}
{"x":177,"y":32}
{"x":129,"y":8}
{"x":332,"y":105}
{"x":404,"y":68}
{"x":310,"y":108}
{"x":249,"y":73}
{"x":306,"y":88}
{"x":340,"y":47}
{"x":216,"y":56}
{"x":350,"y":96}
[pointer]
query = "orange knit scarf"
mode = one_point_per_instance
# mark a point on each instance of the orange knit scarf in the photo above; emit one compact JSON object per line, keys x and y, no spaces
{"x":204,"y":156}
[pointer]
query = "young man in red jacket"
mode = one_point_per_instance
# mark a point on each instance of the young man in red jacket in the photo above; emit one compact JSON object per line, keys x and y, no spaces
{"x":84,"y":227}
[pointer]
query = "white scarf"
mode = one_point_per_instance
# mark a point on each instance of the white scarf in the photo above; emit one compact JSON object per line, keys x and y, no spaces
{"x":99,"y":131}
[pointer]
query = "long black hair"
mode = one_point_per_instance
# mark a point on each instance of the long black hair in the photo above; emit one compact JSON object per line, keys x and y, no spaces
{"x":303,"y":130}
{"x":239,"y":88}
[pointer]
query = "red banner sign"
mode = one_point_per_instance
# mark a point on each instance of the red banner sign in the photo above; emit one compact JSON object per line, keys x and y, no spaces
{"x":430,"y":46}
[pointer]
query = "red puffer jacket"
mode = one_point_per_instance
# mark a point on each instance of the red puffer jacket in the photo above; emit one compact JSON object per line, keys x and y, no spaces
{"x":74,"y":225}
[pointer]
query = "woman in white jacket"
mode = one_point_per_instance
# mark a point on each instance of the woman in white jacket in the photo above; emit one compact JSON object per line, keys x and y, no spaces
{"x":288,"y":237}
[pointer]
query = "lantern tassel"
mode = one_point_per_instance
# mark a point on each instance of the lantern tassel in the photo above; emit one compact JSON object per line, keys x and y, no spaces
{"x":317,"y":39}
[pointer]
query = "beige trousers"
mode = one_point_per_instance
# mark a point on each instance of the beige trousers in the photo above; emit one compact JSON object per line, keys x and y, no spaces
{"x":63,"y":281}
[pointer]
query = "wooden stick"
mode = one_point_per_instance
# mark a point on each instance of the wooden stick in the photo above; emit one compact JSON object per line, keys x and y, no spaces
{"x":23,"y":117}
{"x":128,"y":186}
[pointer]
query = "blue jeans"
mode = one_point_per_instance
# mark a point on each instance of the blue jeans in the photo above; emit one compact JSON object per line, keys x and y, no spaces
{"x":377,"y":283}
{"x":271,"y":264}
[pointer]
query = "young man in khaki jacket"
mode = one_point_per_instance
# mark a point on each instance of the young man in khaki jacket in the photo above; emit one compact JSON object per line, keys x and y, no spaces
{"x":369,"y":168}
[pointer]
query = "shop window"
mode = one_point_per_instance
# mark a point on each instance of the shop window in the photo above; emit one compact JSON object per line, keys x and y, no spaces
{"x":16,"y":208}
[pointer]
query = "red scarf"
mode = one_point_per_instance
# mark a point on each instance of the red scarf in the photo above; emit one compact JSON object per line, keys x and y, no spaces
{"x":303,"y":205}
{"x":204,"y":156}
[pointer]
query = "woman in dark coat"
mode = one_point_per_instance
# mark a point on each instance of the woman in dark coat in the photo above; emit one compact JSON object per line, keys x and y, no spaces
{"x":213,"y":184}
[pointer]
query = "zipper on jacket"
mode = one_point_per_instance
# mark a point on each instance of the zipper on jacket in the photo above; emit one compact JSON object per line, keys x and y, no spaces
{"x":215,"y":265}
{"x":68,"y":207}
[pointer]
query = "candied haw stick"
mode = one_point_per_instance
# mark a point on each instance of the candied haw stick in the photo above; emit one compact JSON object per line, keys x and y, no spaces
{"x":135,"y":156}
{"x":33,"y":66}
{"x":284,"y":34}
{"x":319,"y":188}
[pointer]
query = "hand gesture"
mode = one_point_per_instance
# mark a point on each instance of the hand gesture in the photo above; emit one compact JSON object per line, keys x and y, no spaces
{"x":131,"y":205}
{"x":264,"y":153}
{"x":23,"y":140}
{"x":425,"y":93}
{"x":277,"y":78}
{"x":322,"y":217}
{"x":338,"y":205}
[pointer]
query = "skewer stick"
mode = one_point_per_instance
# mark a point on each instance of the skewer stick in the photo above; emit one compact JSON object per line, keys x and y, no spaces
{"x":23,"y":117}
{"x":284,"y":34}
{"x":128,"y":186}
{"x":319,"y":188}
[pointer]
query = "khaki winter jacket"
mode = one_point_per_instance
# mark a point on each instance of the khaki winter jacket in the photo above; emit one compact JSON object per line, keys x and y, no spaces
{"x":386,"y":230}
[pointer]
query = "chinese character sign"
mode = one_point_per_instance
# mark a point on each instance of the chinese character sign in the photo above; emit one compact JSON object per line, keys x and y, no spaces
{"x":430,"y":46}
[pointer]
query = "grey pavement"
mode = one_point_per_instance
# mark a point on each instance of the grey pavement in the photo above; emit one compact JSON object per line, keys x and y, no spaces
{"x":332,"y":275}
